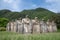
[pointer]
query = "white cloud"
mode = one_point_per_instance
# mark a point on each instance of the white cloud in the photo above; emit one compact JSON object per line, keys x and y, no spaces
{"x":54,"y":5}
{"x":56,"y":1}
{"x":8,"y":1}
{"x":14,"y":4}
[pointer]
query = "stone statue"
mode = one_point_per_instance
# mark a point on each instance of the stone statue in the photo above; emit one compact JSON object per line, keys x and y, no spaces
{"x":28,"y":26}
{"x":35,"y":25}
{"x":26,"y":22}
{"x":54,"y":28}
{"x":43,"y":26}
{"x":49,"y":26}
{"x":8,"y":27}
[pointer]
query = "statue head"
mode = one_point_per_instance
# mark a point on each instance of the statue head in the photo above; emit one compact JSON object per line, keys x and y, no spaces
{"x":48,"y":20}
{"x":26,"y":16}
{"x":36,"y":17}
{"x":42,"y":19}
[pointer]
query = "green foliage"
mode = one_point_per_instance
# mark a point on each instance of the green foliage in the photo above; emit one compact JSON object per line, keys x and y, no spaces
{"x":15,"y":36}
{"x":3,"y":22}
{"x":57,"y":20}
{"x":2,"y":29}
{"x":39,"y":12}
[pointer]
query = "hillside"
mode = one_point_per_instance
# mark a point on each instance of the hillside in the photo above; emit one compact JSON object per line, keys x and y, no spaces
{"x":38,"y":12}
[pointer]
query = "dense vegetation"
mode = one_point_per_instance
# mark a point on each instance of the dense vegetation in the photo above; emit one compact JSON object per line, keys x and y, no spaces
{"x":16,"y":36}
{"x":3,"y":22}
{"x":39,"y":12}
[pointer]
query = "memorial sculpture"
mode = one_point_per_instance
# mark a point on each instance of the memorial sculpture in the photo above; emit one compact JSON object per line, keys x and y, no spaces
{"x":31,"y":26}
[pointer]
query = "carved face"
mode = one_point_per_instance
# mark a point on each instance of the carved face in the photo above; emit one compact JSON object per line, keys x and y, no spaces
{"x":26,"y":20}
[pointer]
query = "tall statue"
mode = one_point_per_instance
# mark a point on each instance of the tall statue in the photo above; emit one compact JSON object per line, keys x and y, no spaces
{"x":43,"y":26}
{"x":8,"y":26}
{"x":54,"y":27}
{"x":35,"y":25}
{"x":49,"y":26}
{"x":26,"y":22}
{"x":28,"y":26}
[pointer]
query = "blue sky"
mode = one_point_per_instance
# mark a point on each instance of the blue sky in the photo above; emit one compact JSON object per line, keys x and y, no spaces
{"x":19,"y":5}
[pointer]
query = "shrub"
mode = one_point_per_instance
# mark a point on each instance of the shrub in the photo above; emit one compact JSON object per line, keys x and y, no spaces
{"x":2,"y":29}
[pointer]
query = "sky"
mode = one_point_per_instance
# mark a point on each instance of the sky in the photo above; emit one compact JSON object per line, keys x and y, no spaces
{"x":19,"y":5}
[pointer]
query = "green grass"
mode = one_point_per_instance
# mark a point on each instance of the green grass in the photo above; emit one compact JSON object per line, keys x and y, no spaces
{"x":16,"y":36}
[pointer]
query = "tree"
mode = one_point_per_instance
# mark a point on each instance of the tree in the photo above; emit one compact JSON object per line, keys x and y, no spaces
{"x":3,"y":22}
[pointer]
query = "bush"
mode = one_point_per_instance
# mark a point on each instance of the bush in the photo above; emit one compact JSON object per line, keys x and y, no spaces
{"x":3,"y":22}
{"x":2,"y":29}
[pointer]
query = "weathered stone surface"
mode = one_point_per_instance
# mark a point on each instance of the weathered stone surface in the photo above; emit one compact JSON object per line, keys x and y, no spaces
{"x":35,"y":26}
{"x":43,"y":27}
{"x":14,"y":26}
{"x":54,"y":28}
{"x":8,"y":27}
{"x":28,"y":26}
{"x":26,"y":22}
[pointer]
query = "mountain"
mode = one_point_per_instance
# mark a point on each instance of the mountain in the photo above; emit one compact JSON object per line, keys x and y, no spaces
{"x":39,"y":12}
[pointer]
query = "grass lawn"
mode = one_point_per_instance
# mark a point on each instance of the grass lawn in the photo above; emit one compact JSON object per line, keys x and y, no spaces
{"x":16,"y":36}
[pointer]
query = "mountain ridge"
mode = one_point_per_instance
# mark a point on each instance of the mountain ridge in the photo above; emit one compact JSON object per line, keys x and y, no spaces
{"x":41,"y":13}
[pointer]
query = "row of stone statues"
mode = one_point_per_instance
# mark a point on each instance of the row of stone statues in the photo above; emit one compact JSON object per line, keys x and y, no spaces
{"x":28,"y":26}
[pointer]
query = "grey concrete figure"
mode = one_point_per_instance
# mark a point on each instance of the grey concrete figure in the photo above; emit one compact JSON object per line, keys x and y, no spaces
{"x":14,"y":26}
{"x":49,"y":24}
{"x":11,"y":26}
{"x":43,"y":26}
{"x":35,"y":25}
{"x":54,"y":28}
{"x":31,"y":26}
{"x":8,"y":27}
{"x":26,"y":22}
